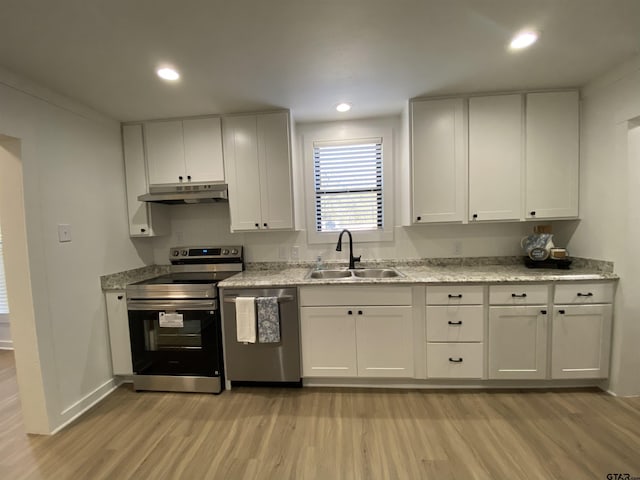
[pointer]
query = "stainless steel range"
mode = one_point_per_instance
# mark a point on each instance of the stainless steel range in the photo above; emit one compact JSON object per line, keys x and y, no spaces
{"x":175,"y":324}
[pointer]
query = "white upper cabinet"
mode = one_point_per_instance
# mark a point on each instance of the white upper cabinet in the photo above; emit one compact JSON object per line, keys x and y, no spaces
{"x":552,"y":149}
{"x":257,"y":156}
{"x":182,"y":151}
{"x":438,"y":160}
{"x":145,"y":219}
{"x":495,"y":157}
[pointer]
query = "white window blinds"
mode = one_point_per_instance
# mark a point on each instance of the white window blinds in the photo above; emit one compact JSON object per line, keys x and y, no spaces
{"x":348,"y":185}
{"x":4,"y":303}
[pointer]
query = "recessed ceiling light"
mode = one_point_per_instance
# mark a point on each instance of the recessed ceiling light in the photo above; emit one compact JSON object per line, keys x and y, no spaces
{"x":343,"y":107}
{"x":168,"y":74}
{"x":523,"y":40}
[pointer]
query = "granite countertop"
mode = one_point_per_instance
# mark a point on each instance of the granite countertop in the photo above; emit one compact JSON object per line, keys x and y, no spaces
{"x":422,"y":271}
{"x":413,"y":273}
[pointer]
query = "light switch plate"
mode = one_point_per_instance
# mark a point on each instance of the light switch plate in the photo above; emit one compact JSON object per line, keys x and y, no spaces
{"x":64,"y":233}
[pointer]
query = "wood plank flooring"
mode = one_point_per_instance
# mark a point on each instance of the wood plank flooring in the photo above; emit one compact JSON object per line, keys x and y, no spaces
{"x":323,"y":433}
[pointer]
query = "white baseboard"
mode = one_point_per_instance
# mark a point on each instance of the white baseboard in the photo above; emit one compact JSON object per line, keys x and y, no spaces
{"x":81,"y":406}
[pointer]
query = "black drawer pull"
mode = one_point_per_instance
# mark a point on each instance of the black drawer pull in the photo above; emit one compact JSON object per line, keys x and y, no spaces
{"x":543,"y":312}
{"x":459,"y":322}
{"x":359,"y":312}
{"x":515,"y":295}
{"x":350,"y":312}
{"x":120,"y":297}
{"x":561,"y":312}
{"x":585,"y":294}
{"x":455,"y":296}
{"x":455,"y":360}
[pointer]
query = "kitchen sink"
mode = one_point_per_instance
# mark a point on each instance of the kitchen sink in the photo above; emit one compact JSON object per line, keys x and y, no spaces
{"x":330,"y":274}
{"x":355,"y":273}
{"x":376,"y":273}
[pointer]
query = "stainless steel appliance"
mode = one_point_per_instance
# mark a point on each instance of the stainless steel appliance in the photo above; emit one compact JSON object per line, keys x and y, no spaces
{"x":175,"y":322}
{"x":263,"y":362}
{"x":189,"y":192}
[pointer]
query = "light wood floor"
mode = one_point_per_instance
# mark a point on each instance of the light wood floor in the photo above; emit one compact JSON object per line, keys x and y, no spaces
{"x":329,"y":434}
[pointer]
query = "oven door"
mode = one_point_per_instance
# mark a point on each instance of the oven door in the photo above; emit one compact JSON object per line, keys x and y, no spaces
{"x":176,"y":337}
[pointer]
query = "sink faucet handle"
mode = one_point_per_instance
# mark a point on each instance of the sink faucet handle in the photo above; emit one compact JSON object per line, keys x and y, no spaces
{"x":357,"y":259}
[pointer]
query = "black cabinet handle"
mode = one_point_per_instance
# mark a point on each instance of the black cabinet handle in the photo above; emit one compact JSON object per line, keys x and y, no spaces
{"x":188,"y":177}
{"x":350,"y":312}
{"x":180,"y":178}
{"x":455,"y":360}
{"x":561,"y":312}
{"x":455,"y":296}
{"x":264,"y":224}
{"x":533,"y":213}
{"x":459,"y":322}
{"x":143,"y":230}
{"x":475,"y":215}
{"x":120,"y":297}
{"x":359,"y":312}
{"x":543,"y":312}
{"x":515,"y":295}
{"x":419,"y":218}
{"x":257,"y":225}
{"x":585,"y":294}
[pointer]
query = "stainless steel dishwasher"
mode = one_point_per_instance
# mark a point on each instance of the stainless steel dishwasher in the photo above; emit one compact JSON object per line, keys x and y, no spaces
{"x":262,"y":362}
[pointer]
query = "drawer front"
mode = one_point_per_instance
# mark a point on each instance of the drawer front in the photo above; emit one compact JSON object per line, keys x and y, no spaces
{"x":580,"y":293}
{"x":346,"y":295}
{"x":519,"y":294}
{"x":455,"y":323}
{"x":455,"y":360}
{"x":455,"y":295}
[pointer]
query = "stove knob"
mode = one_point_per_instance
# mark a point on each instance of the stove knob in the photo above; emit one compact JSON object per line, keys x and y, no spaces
{"x":225,"y":251}
{"x":184,"y":253}
{"x":176,"y":253}
{"x":234,"y":251}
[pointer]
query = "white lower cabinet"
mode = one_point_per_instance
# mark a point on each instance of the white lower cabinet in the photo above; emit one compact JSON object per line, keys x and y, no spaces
{"x":118,"y":319}
{"x":518,"y":342}
{"x":455,"y":360}
{"x":363,"y":341}
{"x":581,"y":341}
{"x":357,"y":331}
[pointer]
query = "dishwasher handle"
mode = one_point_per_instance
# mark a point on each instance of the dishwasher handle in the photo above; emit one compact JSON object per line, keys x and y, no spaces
{"x":281,"y":299}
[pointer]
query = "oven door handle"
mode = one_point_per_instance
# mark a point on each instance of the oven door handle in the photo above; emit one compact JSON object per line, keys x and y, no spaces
{"x":281,"y":299}
{"x":172,"y":305}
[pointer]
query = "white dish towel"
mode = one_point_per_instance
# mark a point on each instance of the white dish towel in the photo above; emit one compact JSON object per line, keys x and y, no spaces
{"x":246,"y":319}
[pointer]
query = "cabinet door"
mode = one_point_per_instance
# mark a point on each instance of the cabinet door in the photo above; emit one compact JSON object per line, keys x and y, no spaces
{"x":495,"y":157}
{"x":118,"y":319}
{"x":203,"y":150}
{"x":165,"y":152}
{"x":145,"y":220}
{"x":517,"y":342}
{"x":275,"y":170}
{"x":581,"y":341}
{"x":328,"y":336}
{"x":438,"y":160}
{"x":552,"y":137}
{"x":242,"y":171}
{"x":384,"y":339}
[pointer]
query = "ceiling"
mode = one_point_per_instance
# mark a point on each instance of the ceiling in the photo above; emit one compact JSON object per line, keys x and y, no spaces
{"x":248,"y":55}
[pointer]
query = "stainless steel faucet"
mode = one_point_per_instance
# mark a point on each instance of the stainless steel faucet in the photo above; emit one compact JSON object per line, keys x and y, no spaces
{"x":352,"y":259}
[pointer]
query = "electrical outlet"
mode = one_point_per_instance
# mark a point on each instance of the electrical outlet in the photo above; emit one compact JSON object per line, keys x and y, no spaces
{"x":295,"y":253}
{"x":457,"y":248}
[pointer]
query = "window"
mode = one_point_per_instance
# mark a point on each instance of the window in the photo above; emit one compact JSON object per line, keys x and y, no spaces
{"x":348,"y":183}
{"x":4,"y":304}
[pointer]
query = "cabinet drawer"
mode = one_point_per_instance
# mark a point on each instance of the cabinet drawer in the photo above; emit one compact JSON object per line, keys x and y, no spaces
{"x":455,"y":323}
{"x":455,"y":360}
{"x":349,"y":296}
{"x":518,"y":294}
{"x":579,"y":293}
{"x":455,"y":295}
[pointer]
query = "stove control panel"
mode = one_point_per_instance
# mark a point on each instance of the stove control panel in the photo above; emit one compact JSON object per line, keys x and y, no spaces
{"x":205,"y":254}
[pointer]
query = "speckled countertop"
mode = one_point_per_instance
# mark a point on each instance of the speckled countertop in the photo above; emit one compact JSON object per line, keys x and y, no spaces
{"x":441,"y":271}
{"x":422,"y":271}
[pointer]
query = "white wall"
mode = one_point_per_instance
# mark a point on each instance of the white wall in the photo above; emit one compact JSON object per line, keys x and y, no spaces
{"x":209,"y":223}
{"x":71,"y":162}
{"x":610,"y":202}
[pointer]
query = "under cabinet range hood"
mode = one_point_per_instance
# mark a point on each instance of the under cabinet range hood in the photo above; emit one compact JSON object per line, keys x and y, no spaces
{"x":186,"y":193}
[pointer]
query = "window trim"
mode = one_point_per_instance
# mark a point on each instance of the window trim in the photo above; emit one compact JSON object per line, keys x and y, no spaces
{"x":385,"y":134}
